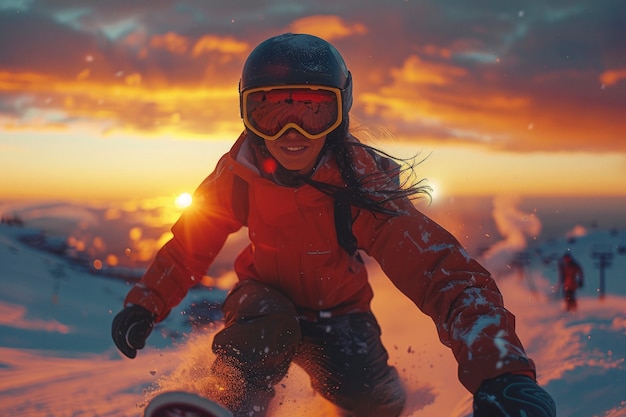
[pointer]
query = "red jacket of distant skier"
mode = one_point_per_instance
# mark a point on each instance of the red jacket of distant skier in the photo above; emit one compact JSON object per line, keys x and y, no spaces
{"x":570,"y":274}
{"x":294,"y":248}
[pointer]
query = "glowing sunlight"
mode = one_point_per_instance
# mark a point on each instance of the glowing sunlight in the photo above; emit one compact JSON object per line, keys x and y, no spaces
{"x":183,"y":200}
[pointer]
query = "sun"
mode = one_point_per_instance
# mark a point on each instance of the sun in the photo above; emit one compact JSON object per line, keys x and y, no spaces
{"x":183,"y":200}
{"x":435,"y":192}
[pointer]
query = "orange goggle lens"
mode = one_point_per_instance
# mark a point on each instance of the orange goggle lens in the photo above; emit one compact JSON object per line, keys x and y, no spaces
{"x":312,"y":110}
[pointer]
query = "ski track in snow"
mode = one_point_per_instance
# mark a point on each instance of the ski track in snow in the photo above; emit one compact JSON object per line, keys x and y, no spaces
{"x":56,"y":357}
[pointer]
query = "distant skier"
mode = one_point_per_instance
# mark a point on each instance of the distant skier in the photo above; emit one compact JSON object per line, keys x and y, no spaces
{"x":570,"y":279}
{"x":314,"y":199}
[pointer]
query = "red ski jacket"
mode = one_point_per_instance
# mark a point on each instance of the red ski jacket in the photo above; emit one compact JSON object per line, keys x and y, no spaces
{"x":570,"y":275}
{"x":294,"y":248}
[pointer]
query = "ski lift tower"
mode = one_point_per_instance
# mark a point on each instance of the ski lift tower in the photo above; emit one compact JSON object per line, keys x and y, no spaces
{"x":603,"y":257}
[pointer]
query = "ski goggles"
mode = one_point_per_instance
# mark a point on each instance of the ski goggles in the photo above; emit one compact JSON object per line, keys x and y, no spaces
{"x":312,"y":110}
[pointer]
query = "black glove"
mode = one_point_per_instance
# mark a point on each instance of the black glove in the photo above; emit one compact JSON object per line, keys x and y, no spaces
{"x":130,"y":329}
{"x":512,"y":395}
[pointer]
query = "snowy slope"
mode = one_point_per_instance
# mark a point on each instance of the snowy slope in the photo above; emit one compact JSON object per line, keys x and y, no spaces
{"x":56,"y":357}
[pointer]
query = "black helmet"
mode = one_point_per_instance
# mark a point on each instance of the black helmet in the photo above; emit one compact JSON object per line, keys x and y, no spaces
{"x":297,"y":59}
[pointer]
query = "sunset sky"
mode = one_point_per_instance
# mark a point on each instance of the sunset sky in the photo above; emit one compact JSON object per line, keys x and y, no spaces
{"x":132,"y":99}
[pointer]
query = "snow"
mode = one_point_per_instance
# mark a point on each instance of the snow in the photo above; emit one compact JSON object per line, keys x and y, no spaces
{"x":57,"y":358}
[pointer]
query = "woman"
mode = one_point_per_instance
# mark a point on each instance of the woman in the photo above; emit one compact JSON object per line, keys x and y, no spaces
{"x":313,"y":197}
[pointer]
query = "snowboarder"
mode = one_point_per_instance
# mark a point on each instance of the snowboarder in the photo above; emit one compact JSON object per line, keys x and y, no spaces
{"x":570,"y":279}
{"x":314,"y":198}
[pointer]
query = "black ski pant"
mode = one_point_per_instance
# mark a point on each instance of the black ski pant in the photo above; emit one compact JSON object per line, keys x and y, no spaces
{"x":570,"y":300}
{"x":343,"y":356}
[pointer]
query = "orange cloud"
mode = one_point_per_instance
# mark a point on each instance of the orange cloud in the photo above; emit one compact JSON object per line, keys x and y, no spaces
{"x":178,"y":44}
{"x":11,"y":81}
{"x":128,"y":105}
{"x":172,"y":42}
{"x":327,"y":27}
{"x":415,"y":95}
{"x":611,"y":77}
{"x":434,"y":50}
{"x":416,"y":71}
{"x":434,"y":100}
{"x":209,"y":43}
{"x":83,"y":75}
{"x":133,"y":79}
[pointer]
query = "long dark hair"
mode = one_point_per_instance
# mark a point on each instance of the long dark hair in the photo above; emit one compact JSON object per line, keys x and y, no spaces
{"x":396,"y":177}
{"x":373,"y":191}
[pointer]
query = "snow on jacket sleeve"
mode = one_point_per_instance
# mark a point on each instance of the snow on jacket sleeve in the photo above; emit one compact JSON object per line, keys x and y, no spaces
{"x":199,"y":234}
{"x":429,"y":266}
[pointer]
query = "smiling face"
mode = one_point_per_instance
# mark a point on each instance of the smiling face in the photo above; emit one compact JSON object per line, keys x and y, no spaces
{"x":296,"y":152}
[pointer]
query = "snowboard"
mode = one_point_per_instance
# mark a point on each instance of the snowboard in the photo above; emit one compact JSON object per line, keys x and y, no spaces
{"x":183,"y":404}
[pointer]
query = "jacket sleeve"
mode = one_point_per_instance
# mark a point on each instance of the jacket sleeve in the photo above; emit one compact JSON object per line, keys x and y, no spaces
{"x":198,"y":236}
{"x":431,"y":268}
{"x":580,"y":276}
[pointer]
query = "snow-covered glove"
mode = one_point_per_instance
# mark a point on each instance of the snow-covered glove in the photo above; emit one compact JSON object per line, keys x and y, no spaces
{"x":130,"y":329}
{"x":512,"y":395}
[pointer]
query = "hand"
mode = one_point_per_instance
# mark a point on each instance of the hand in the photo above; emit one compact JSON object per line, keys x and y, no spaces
{"x":512,"y":395}
{"x":130,"y":329}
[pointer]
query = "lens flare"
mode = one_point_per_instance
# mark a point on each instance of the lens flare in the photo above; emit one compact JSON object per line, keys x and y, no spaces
{"x":184,"y":200}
